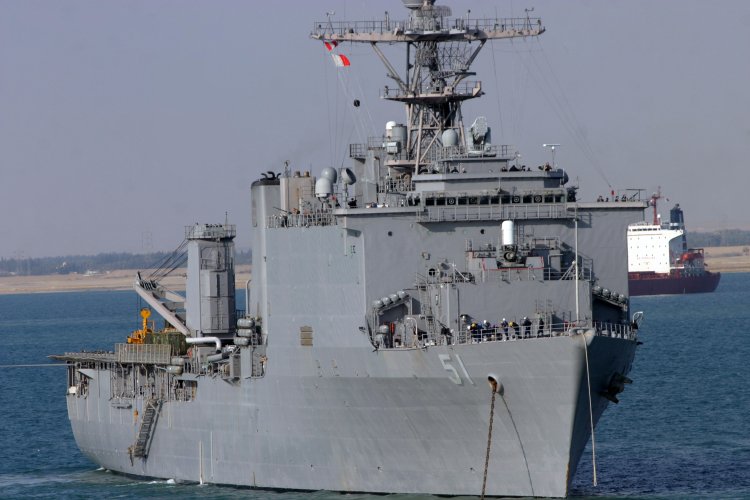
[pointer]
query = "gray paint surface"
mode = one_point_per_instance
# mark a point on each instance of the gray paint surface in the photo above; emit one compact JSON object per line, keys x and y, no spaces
{"x":375,"y":325}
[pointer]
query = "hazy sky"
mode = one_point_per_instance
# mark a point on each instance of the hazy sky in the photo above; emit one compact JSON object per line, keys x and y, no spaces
{"x":123,"y":121}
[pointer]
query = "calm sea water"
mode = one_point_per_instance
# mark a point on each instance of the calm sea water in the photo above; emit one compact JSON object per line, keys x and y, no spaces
{"x":682,"y":430}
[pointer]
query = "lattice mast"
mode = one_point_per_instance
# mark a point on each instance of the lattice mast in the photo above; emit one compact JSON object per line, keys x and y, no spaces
{"x":439,"y":54}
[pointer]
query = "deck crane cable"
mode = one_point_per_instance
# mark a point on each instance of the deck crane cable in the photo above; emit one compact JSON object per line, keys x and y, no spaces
{"x":519,"y":85}
{"x":351,"y":88}
{"x":338,"y":125}
{"x":565,"y":106}
{"x":565,"y":111}
{"x":173,"y":261}
{"x":328,"y":107}
{"x":560,"y":105}
{"x":497,"y":89}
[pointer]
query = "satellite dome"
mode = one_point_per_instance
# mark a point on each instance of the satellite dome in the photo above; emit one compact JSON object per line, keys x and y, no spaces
{"x":323,"y":188}
{"x":330,"y":174}
{"x":450,"y":138}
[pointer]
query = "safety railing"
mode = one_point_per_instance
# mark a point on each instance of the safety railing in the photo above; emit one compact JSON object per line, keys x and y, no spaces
{"x":508,"y":274}
{"x":333,"y":29}
{"x":514,"y":331}
{"x":465,"y":88}
{"x":450,"y":213}
{"x":204,"y":231}
{"x":391,"y":185}
{"x":315,"y":219}
{"x":143,"y":353}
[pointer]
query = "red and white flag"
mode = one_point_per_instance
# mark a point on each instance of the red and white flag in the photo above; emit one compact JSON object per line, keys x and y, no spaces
{"x":340,"y":60}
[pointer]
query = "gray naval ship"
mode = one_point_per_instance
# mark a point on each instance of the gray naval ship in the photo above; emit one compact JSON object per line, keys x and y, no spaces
{"x":435,"y":318}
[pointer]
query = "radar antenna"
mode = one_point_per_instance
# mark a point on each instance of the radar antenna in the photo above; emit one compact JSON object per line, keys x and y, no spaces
{"x":439,"y":54}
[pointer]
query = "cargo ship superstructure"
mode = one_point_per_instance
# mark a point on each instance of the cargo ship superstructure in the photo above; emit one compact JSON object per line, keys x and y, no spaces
{"x":431,"y":319}
{"x":659,"y":260}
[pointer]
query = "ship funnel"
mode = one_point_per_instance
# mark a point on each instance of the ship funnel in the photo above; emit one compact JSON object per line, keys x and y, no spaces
{"x":508,"y":233}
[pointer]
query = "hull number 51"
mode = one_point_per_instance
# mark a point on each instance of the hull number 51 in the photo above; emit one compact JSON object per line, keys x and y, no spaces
{"x":453,"y":375}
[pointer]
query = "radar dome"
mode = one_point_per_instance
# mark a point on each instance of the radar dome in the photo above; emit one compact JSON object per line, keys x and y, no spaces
{"x":450,"y":138}
{"x":323,"y":188}
{"x":330,"y":174}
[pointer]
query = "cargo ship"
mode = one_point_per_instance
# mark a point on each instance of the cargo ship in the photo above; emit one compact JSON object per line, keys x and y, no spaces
{"x":659,"y":260}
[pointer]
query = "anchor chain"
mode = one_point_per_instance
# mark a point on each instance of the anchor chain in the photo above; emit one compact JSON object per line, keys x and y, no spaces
{"x":493,"y":386}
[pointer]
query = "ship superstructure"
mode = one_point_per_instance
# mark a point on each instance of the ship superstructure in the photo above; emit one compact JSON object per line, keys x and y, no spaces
{"x":659,"y":260}
{"x":392,"y":304}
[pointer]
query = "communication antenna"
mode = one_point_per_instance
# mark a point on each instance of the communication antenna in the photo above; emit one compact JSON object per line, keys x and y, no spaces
{"x":552,"y":147}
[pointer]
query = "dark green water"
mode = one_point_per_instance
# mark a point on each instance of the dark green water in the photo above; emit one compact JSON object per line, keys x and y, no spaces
{"x":682,"y":430}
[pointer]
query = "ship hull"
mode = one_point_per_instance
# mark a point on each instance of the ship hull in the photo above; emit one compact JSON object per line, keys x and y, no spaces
{"x":407,"y":421}
{"x":662,"y":284}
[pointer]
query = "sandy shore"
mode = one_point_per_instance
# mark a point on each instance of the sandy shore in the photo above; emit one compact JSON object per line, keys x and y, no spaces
{"x":728,"y":259}
{"x":114,"y":280}
{"x":723,"y":259}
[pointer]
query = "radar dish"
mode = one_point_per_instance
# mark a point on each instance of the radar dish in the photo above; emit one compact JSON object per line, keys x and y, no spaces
{"x":348,"y":177}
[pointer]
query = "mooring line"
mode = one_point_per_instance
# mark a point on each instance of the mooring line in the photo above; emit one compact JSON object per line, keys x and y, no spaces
{"x":591,"y":412}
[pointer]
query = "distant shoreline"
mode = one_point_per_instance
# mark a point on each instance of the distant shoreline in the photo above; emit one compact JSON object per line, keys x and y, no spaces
{"x":719,"y":259}
{"x":105,"y":281}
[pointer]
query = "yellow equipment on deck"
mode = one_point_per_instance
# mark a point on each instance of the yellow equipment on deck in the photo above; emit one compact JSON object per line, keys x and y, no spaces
{"x":139,"y":336}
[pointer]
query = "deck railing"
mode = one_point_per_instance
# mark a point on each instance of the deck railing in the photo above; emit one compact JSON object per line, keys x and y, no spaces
{"x":315,"y":219}
{"x":512,"y":333}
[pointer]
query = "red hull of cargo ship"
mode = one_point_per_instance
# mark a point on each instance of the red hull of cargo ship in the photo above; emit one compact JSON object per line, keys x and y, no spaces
{"x":671,"y":284}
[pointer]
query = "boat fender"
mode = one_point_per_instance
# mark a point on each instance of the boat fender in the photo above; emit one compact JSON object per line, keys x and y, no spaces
{"x":241,"y":341}
{"x":245,"y":332}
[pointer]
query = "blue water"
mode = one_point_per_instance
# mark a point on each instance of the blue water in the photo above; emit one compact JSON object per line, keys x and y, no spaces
{"x":682,"y":430}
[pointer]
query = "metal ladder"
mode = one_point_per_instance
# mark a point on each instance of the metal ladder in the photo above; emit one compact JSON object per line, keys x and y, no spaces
{"x":143,"y":441}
